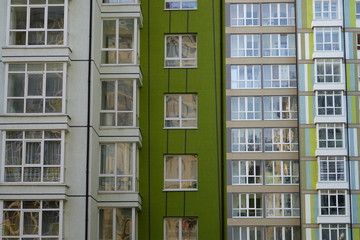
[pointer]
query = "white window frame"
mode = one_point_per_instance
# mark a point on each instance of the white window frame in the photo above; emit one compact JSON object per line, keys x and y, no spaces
{"x":283,"y":232}
{"x":253,"y":173}
{"x":331,"y":229}
{"x":329,"y":102}
{"x":284,"y":79}
{"x":239,"y":16}
{"x":246,"y":108}
{"x":180,"y":58}
{"x":21,"y":211}
{"x":273,"y":46}
{"x":251,"y":77}
{"x":250,"y":140}
{"x":119,"y":2}
{"x":252,"y":233}
{"x":181,"y":4}
{"x":115,"y":175}
{"x":114,"y":221}
{"x":44,"y":29}
{"x":179,"y":117}
{"x":332,"y":165}
{"x":117,"y":49}
{"x":331,"y":127}
{"x":333,"y":194}
{"x":324,"y":64}
{"x":181,"y":228}
{"x":327,"y":45}
{"x":241,"y":50}
{"x":250,"y":212}
{"x":271,"y":19}
{"x":287,"y":175}
{"x":280,"y":109}
{"x":278,"y":140}
{"x":43,"y":96}
{"x":286,"y":209}
{"x":114,"y":122}
{"x":326,"y":11}
{"x":180,"y":179}
{"x":41,"y":165}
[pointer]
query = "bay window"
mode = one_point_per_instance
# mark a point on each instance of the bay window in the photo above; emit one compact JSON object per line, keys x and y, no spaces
{"x":331,"y":168}
{"x":331,"y":135}
{"x":333,"y":202}
{"x":329,"y":102}
{"x":333,"y":231}
{"x":326,"y":9}
{"x":327,"y":39}
{"x":328,"y":70}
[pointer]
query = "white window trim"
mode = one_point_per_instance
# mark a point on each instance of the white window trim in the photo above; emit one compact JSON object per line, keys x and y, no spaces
{"x":279,"y":48}
{"x":281,"y":141}
{"x":237,"y":18}
{"x":181,"y":227}
{"x":247,"y":143}
{"x":281,"y":111}
{"x":235,"y":83}
{"x":324,"y":30}
{"x":325,"y":62}
{"x":65,"y":30}
{"x":328,"y":126}
{"x":330,"y":12}
{"x":333,"y":95}
{"x":337,"y":229}
{"x":181,"y":8}
{"x":291,"y":175}
{"x":41,"y":165}
{"x":180,"y":180}
{"x":279,"y":18}
{"x":282,"y":205}
{"x":180,"y":119}
{"x":337,"y":203}
{"x":25,"y":97}
{"x":336,"y":160}
{"x":280,"y":80}
{"x":237,"y":164}
{"x":246,"y":111}
{"x":236,"y":38}
{"x":247,"y":208}
{"x":180,"y":58}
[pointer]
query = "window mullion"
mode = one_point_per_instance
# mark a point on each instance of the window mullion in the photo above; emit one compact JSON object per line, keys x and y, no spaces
{"x":116,"y":87}
{"x":115,"y":175}
{"x":180,"y":172}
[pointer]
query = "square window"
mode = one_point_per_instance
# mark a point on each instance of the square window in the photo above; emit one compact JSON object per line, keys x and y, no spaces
{"x":34,"y":156}
{"x":245,"y":76}
{"x":282,"y":205}
{"x":244,"y":15}
{"x":180,"y":111}
{"x":35,"y":88}
{"x":279,"y":76}
{"x":327,"y":39}
{"x":281,"y":139}
{"x":116,"y":222}
{"x":181,"y":51}
{"x":279,"y":108}
{"x":281,"y":172}
{"x":180,"y":172}
{"x":246,"y":172}
{"x":119,"y":41}
{"x":245,"y":45}
{"x":329,"y":103}
{"x":326,"y":9}
{"x":118,"y":103}
{"x":330,"y":135}
{"x":283,"y":233}
{"x":246,"y":108}
{"x":333,"y":231}
{"x":278,"y":14}
{"x":185,"y":228}
{"x":328,"y":70}
{"x":37,"y":23}
{"x":332,"y":169}
{"x":278,"y":45}
{"x":246,"y":140}
{"x":247,"y":233}
{"x":333,"y":202}
{"x":117,"y":165}
{"x":247,"y":205}
{"x":33,"y":219}
{"x":180,"y":4}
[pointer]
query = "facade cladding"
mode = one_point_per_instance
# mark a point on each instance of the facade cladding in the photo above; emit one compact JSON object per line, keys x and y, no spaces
{"x":238,"y":120}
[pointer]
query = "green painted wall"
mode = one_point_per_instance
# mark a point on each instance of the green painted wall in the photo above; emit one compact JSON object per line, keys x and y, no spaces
{"x":206,"y":203}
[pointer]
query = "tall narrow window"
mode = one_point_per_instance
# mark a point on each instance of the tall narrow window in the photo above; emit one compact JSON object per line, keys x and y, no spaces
{"x":117,"y":164}
{"x":180,"y":111}
{"x":280,"y":107}
{"x":327,"y":39}
{"x":331,"y":135}
{"x":36,"y":88}
{"x":37,"y":22}
{"x":244,"y":15}
{"x":333,"y":202}
{"x":279,"y":76}
{"x":357,"y":10}
{"x":246,"y":140}
{"x":278,"y":14}
{"x":245,"y":76}
{"x":281,"y":172}
{"x":328,"y":70}
{"x":331,"y":168}
{"x":118,"y":103}
{"x":116,"y":223}
{"x":34,"y":156}
{"x":245,"y":108}
{"x":326,"y":9}
{"x":245,"y":45}
{"x":185,"y":228}
{"x":181,"y":51}
{"x":280,"y":139}
{"x":278,"y":45}
{"x":282,"y":205}
{"x":119,"y":41}
{"x":33,"y":219}
{"x":180,"y":172}
{"x":247,"y":205}
{"x":180,"y":4}
{"x":329,"y":102}
{"x":246,"y":172}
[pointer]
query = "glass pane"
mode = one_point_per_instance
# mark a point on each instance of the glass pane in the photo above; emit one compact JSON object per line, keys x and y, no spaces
{"x":107,"y":159}
{"x":13,"y":154}
{"x":172,"y":106}
{"x":18,"y":18}
{"x":126,"y":33}
{"x":172,"y":46}
{"x":16,"y":85}
{"x":172,"y":228}
{"x":106,"y":223}
{"x":124,"y":159}
{"x":31,"y":223}
{"x":52,"y":152}
{"x":37,"y":17}
{"x":11,"y":221}
{"x":50,"y":223}
{"x":189,"y":46}
{"x":55,"y":17}
{"x":125,"y":95}
{"x":188,"y":106}
{"x":108,"y":95}
{"x":35,"y":84}
{"x":109,"y":31}
{"x":189,"y":165}
{"x":123,"y":223}
{"x":172,"y":167}
{"x":189,"y":228}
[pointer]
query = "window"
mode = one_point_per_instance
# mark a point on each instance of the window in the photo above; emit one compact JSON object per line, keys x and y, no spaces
{"x":39,"y":22}
{"x":181,"y":51}
{"x":117,"y":165}
{"x":331,"y":135}
{"x":326,"y":9}
{"x":246,"y":140}
{"x":185,"y":228}
{"x":327,"y":39}
{"x":246,"y":172}
{"x":329,"y":102}
{"x":180,"y":172}
{"x":116,"y":223}
{"x":245,"y":45}
{"x":118,"y":103}
{"x":281,"y":139}
{"x":333,"y":231}
{"x":119,"y":1}
{"x":32,"y":219}
{"x":245,"y":76}
{"x":283,"y":233}
{"x":358,"y":36}
{"x":357,"y":10}
{"x":332,"y":169}
{"x":282,"y":205}
{"x":247,"y":233}
{"x":278,"y":14}
{"x":328,"y":70}
{"x":281,"y":172}
{"x":36,"y":88}
{"x":119,"y":37}
{"x":278,"y":45}
{"x":279,"y":76}
{"x":333,"y":202}
{"x":244,"y":15}
{"x":247,"y":205}
{"x":180,"y":4}
{"x":34,"y":156}
{"x":280,"y":107}
{"x":180,"y":111}
{"x":245,"y":108}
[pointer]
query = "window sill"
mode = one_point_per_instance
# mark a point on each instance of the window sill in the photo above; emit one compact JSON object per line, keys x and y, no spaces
{"x":330,"y":119}
{"x":333,"y":219}
{"x":26,"y":122}
{"x":181,"y":190}
{"x":332,"y":185}
{"x":180,"y":128}
{"x":327,"y":23}
{"x":328,"y":54}
{"x":331,"y":152}
{"x":181,"y":67}
{"x":183,"y":9}
{"x":36,"y":54}
{"x":28,"y":191}
{"x":329,"y":86}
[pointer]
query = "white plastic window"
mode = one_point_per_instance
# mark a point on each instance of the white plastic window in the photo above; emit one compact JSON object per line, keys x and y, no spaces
{"x":246,"y":172}
{"x":245,"y":76}
{"x":328,"y":70}
{"x":281,"y":172}
{"x":181,"y":51}
{"x":282,"y":204}
{"x":115,"y":222}
{"x":245,"y":45}
{"x":278,"y":45}
{"x":329,"y":102}
{"x":247,"y":205}
{"x":281,"y":139}
{"x":245,"y":108}
{"x":185,"y":228}
{"x":180,"y":4}
{"x":180,"y":111}
{"x":246,"y":140}
{"x":244,"y":15}
{"x":278,"y":14}
{"x":327,"y":39}
{"x":332,"y":169}
{"x":331,"y":135}
{"x":326,"y":9}
{"x":333,"y":231}
{"x":180,"y":172}
{"x":279,"y":76}
{"x":277,"y":108}
{"x":333,"y":202}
